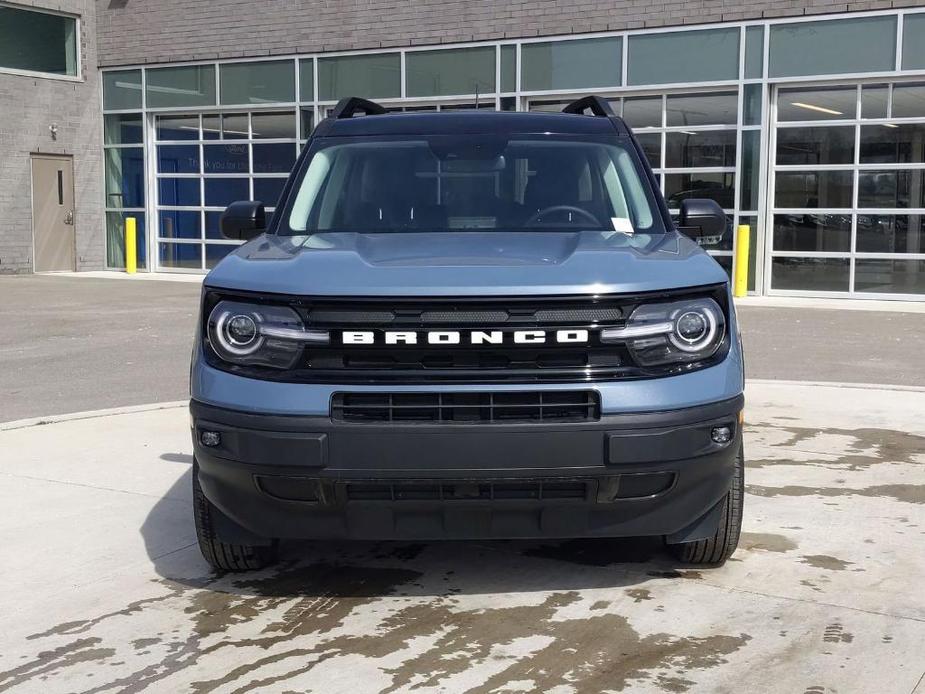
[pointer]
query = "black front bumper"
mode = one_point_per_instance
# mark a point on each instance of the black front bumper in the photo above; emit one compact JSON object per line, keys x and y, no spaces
{"x":312,"y":477}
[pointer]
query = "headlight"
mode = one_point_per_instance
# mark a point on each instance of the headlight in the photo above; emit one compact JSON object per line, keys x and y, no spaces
{"x":259,"y":335}
{"x":677,"y":333}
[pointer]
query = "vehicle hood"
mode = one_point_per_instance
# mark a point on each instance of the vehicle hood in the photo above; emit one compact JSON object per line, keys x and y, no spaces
{"x":466,"y":263}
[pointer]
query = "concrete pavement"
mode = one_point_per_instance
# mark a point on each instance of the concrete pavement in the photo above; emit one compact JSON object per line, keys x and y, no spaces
{"x":103,"y":590}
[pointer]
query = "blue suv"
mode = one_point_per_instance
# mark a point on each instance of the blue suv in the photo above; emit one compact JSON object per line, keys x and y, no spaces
{"x":468,"y":325}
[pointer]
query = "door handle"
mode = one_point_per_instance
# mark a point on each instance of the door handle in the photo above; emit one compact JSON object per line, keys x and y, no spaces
{"x":69,"y":218}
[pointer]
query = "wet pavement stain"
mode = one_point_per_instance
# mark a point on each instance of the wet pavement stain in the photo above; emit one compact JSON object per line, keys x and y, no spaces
{"x":638,"y":594}
{"x":766,"y":542}
{"x":46,"y":662}
{"x":907,"y":493}
{"x":824,"y":561}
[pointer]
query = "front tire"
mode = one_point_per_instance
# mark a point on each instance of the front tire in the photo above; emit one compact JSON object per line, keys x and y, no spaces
{"x":715,"y":550}
{"x":224,"y":556}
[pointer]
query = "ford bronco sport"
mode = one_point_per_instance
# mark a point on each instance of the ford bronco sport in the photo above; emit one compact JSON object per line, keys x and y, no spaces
{"x":468,"y":325}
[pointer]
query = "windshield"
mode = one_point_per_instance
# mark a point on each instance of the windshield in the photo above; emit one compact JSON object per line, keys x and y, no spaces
{"x":472,"y":182}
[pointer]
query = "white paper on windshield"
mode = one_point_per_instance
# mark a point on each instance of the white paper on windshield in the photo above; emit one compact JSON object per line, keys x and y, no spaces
{"x":623,"y":225}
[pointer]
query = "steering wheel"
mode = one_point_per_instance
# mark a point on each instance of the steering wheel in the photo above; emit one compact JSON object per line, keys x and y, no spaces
{"x":536,"y":216}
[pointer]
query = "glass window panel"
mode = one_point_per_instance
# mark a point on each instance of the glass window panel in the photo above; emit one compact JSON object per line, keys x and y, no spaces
{"x":645,"y":112}
{"x":180,"y":255}
{"x":177,"y":224}
{"x":235,"y":126}
{"x":508,"y":103}
{"x":373,"y":76}
{"x":211,"y":126}
{"x":123,"y":129}
{"x":221,"y":192}
{"x":817,"y":104}
{"x":810,"y":274}
{"x":268,"y":190}
{"x":913,"y":55}
{"x":257,"y":83}
{"x":190,"y":85}
{"x":178,"y":158}
{"x":454,"y":71}
{"x":702,"y":109}
{"x":715,"y":186}
{"x":751,"y":166}
{"x":225,"y":158}
{"x":725,"y":262}
{"x":865,"y":44}
{"x":699,"y":149}
{"x":508,"y":68}
{"x":820,"y":145}
{"x":887,"y":233}
{"x":553,"y":106}
{"x":754,"y":52}
{"x":908,"y":101}
{"x":306,"y":80}
{"x":115,"y":239}
{"x":274,"y":158}
{"x":273,"y":125}
{"x":122,"y":89}
{"x":889,"y":189}
{"x":813,"y":189}
{"x":178,"y":192}
{"x":213,"y":225}
{"x":576,"y":64}
{"x":704,"y":55}
{"x":893,"y":144}
{"x":812,"y":232}
{"x":177,"y":127}
{"x":308,"y":121}
{"x":38,"y":41}
{"x":216,"y":251}
{"x":874,"y":100}
{"x":751,"y":105}
{"x":651,"y":144}
{"x":890,"y":276}
{"x":125,"y":177}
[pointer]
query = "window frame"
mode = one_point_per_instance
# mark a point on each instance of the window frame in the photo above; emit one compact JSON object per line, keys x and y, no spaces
{"x":78,"y":57}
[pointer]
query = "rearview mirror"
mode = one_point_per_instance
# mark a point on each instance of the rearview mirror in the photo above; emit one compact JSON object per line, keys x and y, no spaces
{"x":700,"y":218}
{"x":243,"y":220}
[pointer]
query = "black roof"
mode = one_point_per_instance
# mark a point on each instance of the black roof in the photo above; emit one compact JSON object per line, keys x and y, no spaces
{"x":470,"y":121}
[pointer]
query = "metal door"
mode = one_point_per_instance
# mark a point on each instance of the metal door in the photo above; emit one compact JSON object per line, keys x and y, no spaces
{"x":53,"y":237}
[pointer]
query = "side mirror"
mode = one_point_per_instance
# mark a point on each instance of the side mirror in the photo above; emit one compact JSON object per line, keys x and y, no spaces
{"x":243,"y":220}
{"x":700,"y":218}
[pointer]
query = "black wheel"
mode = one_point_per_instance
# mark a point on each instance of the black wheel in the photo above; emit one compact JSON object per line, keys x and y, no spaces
{"x":224,"y":556}
{"x":714,"y":551}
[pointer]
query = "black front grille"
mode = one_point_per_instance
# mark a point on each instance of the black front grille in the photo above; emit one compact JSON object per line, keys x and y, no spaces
{"x":467,"y":408}
{"x":491,"y":490}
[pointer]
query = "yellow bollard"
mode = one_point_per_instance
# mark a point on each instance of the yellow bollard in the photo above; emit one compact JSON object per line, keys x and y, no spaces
{"x":131,"y":253}
{"x":740,"y":280}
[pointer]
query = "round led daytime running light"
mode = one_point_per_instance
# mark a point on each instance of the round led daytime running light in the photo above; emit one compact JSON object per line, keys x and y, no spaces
{"x":228,"y":342}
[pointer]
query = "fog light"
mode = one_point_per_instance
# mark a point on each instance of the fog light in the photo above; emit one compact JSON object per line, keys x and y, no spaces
{"x":721,"y":434}
{"x":210,"y":438}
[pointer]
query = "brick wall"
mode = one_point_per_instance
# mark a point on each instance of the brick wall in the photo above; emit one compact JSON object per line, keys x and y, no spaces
{"x":28,"y":106}
{"x":143,"y":31}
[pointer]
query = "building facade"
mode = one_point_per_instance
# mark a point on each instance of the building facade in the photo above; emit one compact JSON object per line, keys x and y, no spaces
{"x":803,"y":119}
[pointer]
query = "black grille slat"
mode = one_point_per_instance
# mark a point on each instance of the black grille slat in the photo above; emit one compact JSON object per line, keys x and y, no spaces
{"x":466,"y":408}
{"x":462,"y":491}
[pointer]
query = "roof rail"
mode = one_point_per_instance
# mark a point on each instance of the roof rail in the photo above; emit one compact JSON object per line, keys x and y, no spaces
{"x":345,"y":108}
{"x":596,"y":104}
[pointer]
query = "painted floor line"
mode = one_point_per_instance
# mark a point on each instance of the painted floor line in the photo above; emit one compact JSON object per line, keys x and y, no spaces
{"x":90,"y":414}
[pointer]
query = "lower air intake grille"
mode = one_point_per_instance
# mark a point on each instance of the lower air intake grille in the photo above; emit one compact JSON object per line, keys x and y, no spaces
{"x":493,"y":490}
{"x":467,"y":408}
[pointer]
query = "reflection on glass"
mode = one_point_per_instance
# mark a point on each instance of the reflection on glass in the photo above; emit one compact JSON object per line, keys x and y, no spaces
{"x":887,"y":233}
{"x":122,"y":129}
{"x":270,"y":125}
{"x":754,"y":52}
{"x":822,"y":145}
{"x":702,"y":55}
{"x":817,"y":104}
{"x":874,"y":100}
{"x":213,"y":226}
{"x":211,"y":126}
{"x":447,"y":72}
{"x":180,"y":255}
{"x":908,"y":101}
{"x":263,"y":82}
{"x":234,"y":126}
{"x":810,"y":274}
{"x":508,"y":68}
{"x":308,"y":119}
{"x":704,"y":148}
{"x":645,"y":112}
{"x":178,"y":127}
{"x":812,"y":232}
{"x":374,"y":76}
{"x":891,"y":189}
{"x":751,"y":141}
{"x":221,"y":192}
{"x":225,"y":158}
{"x":176,"y":224}
{"x":178,"y":192}
{"x":306,"y":79}
{"x":274,"y":158}
{"x":122,"y":89}
{"x":651,"y":144}
{"x":125,"y":177}
{"x":751,"y":105}
{"x":813,"y":189}
{"x":893,"y":144}
{"x":575,"y":64}
{"x":715,"y":186}
{"x":178,"y":158}
{"x":702,"y":109}
{"x":890,"y":276}
{"x":268,"y":190}
{"x":188,"y":85}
